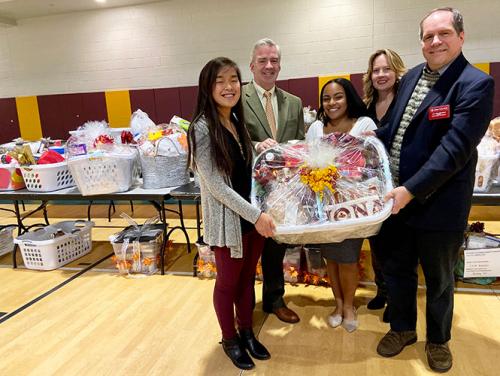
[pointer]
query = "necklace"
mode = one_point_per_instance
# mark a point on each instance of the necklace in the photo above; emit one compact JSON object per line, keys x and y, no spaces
{"x":232,"y":129}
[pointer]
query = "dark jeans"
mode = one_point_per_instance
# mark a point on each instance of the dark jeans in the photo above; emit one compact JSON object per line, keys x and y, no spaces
{"x":234,"y":285}
{"x":273,"y":287}
{"x":377,"y":268}
{"x":402,"y":248}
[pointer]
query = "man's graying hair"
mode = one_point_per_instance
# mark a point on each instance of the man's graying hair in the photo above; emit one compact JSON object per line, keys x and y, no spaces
{"x":264,"y":42}
{"x":458,"y":19}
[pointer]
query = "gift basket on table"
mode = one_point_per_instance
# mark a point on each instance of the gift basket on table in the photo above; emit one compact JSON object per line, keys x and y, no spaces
{"x":137,"y":247}
{"x":38,"y":172}
{"x":97,"y":163}
{"x":55,"y":245}
{"x":488,"y":162}
{"x":326,"y":191}
{"x":163,"y":151}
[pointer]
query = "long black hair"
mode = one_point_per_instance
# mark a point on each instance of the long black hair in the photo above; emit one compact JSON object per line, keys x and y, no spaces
{"x":355,"y":105}
{"x":206,"y":108}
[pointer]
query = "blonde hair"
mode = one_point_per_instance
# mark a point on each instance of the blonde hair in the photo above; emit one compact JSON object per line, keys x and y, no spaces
{"x":395,"y":63}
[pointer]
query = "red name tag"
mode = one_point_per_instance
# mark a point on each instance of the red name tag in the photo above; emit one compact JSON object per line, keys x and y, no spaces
{"x":439,"y":112}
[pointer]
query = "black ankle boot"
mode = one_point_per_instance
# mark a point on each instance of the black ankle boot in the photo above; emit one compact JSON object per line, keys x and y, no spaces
{"x":378,"y":302}
{"x":254,"y":347}
{"x":235,"y":351}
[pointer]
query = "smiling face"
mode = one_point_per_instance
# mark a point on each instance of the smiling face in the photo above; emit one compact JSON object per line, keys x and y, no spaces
{"x":226,"y":90}
{"x":334,"y":101}
{"x":265,"y":66}
{"x":441,"y":43}
{"x":383,"y":77}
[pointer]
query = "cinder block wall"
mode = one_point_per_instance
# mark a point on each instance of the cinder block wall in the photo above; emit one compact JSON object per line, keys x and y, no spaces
{"x":165,"y":44}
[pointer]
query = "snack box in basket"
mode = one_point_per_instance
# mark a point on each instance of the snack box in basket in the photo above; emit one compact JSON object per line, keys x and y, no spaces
{"x":324,"y":191}
{"x":55,"y":245}
{"x":47,"y":177}
{"x":11,"y":178}
{"x":137,"y":249}
{"x":104,"y":172}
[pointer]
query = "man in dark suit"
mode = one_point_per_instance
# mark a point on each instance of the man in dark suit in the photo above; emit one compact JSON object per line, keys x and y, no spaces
{"x":272,"y":116}
{"x":442,"y":111}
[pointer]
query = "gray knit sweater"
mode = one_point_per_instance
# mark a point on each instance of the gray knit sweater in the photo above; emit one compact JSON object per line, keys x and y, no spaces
{"x":221,"y":205}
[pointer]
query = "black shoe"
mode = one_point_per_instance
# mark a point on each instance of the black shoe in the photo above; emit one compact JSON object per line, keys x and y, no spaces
{"x":235,"y":351}
{"x":254,"y":347}
{"x":378,"y":302}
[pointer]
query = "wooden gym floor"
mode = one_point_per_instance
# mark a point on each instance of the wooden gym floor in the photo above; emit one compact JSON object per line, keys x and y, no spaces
{"x":99,"y":323}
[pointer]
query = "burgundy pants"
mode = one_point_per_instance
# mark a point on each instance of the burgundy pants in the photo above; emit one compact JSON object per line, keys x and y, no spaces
{"x":234,"y":285}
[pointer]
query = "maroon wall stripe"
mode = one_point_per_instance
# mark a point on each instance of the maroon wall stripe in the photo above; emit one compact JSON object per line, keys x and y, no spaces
{"x":357,"y":82}
{"x":188,"y":97}
{"x":306,"y":89}
{"x":167,"y":104}
{"x":145,"y":101}
{"x":495,"y":73}
{"x":9,"y":122}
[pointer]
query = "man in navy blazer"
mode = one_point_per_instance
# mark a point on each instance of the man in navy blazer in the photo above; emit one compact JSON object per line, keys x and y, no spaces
{"x":442,"y":111}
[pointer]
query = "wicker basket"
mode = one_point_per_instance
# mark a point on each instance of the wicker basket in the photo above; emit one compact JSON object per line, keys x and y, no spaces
{"x":160,"y":171}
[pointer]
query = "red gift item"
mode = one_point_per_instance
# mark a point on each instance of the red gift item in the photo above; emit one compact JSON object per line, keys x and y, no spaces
{"x":6,"y":159}
{"x":294,"y":155}
{"x":103,"y":139}
{"x":50,"y":156}
{"x":351,"y":163}
{"x":127,"y":137}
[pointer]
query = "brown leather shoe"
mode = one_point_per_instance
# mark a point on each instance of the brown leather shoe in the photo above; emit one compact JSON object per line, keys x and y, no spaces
{"x":438,"y":356}
{"x":285,"y":314}
{"x":394,"y":342}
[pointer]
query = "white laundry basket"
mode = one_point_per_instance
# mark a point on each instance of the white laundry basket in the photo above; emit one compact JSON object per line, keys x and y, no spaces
{"x":47,"y":177}
{"x":55,"y":245}
{"x":105,"y":173}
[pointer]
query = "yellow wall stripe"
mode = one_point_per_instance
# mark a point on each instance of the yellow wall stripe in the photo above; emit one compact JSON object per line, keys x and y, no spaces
{"x":324,"y":79}
{"x":485,"y":67}
{"x":119,"y":109}
{"x":29,"y":118}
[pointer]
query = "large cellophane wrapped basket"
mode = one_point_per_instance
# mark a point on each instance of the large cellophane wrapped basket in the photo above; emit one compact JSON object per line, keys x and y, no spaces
{"x":326,"y":191}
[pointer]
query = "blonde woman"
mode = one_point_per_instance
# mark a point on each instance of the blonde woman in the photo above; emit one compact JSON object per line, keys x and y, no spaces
{"x":380,"y":85}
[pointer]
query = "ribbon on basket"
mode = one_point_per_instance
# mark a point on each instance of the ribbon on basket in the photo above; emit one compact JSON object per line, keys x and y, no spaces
{"x":135,"y":232}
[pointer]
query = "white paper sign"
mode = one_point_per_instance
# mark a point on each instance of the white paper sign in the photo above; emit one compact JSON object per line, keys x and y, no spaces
{"x":483,"y":262}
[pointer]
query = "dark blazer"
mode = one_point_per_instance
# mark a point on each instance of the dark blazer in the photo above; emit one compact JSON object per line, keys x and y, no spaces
{"x":290,"y":116}
{"x":438,"y":157}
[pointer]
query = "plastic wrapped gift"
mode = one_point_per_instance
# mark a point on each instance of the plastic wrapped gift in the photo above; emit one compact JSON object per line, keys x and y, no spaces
{"x":137,"y":247}
{"x":326,"y":191}
{"x":291,"y":264}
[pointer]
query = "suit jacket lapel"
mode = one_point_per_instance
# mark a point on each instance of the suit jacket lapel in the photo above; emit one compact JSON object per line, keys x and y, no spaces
{"x":443,"y":84}
{"x":283,"y":104}
{"x":255,"y":105}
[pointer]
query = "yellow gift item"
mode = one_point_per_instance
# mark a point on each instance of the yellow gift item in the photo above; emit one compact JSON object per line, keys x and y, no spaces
{"x":154,"y":135}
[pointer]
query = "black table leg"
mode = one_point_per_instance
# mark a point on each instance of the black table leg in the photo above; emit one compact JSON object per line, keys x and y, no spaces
{"x":166,"y":235}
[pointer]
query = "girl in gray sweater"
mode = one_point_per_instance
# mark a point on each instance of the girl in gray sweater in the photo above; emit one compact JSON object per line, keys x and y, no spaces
{"x":220,"y":151}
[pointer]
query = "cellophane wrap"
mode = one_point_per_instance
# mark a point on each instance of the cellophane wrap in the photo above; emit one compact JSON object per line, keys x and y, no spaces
{"x":325,"y":191}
